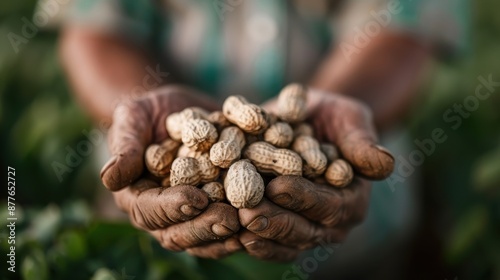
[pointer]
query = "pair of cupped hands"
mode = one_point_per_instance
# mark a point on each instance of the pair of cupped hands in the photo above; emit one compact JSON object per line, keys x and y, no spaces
{"x":295,"y":214}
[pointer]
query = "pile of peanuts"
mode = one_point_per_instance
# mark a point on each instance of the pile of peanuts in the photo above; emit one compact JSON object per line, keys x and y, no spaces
{"x":227,"y":152}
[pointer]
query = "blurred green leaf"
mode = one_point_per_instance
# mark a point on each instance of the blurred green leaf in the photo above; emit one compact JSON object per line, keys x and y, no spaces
{"x":30,"y":130}
{"x":77,"y":212}
{"x":44,"y":224}
{"x":254,"y":269}
{"x":34,"y":266}
{"x":220,"y":270}
{"x":105,"y":274}
{"x":72,"y":245}
{"x":487,"y":172}
{"x":466,"y":233}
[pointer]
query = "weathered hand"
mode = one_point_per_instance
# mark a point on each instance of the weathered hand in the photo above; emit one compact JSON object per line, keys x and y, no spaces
{"x":179,"y":217}
{"x":299,"y":214}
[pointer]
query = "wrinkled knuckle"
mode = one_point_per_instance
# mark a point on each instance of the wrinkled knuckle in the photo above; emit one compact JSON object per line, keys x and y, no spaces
{"x":199,"y":235}
{"x":128,"y":107}
{"x":191,"y":195}
{"x":181,"y":194}
{"x":171,"y":246}
{"x":336,"y":213}
{"x":169,"y":243}
{"x":282,"y":229}
{"x":138,"y":218}
{"x":280,"y":185}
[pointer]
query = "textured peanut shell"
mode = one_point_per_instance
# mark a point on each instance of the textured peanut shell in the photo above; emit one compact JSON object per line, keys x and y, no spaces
{"x":292,"y":103}
{"x":233,"y":134}
{"x":185,"y":171}
{"x":243,"y":185}
{"x":247,"y":116}
{"x":158,"y":158}
{"x":175,"y":122}
{"x":208,"y":171}
{"x":202,"y":113}
{"x":269,"y":159}
{"x":339,"y":173}
{"x":330,"y":151}
{"x":218,"y":119}
{"x":224,"y":153}
{"x":199,"y":134}
{"x":228,"y":149}
{"x":279,"y":134}
{"x":315,"y":161}
{"x":215,"y":191}
{"x":185,"y":151}
{"x":303,"y":129}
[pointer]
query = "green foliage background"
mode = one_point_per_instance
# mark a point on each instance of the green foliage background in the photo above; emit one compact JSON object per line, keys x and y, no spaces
{"x":58,"y":236}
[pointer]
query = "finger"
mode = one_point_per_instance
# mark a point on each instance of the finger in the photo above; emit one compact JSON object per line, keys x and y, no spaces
{"x":328,"y":206}
{"x":217,"y":222}
{"x":140,"y":122}
{"x":217,"y":250}
{"x":265,"y":249}
{"x":151,"y":207}
{"x":353,"y":132}
{"x":270,"y":221}
{"x":129,"y":135}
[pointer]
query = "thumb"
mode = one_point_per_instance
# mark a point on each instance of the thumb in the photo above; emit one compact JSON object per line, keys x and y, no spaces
{"x":130,"y":134}
{"x":354,"y":134}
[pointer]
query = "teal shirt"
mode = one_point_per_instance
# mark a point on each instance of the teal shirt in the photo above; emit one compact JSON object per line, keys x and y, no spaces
{"x":285,"y":39}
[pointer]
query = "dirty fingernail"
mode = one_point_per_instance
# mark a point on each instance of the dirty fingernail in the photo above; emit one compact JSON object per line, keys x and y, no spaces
{"x":385,"y":151}
{"x":282,"y":199}
{"x":260,"y":223}
{"x":254,"y":245}
{"x":189,"y":210}
{"x":221,"y":230}
{"x":108,"y":165}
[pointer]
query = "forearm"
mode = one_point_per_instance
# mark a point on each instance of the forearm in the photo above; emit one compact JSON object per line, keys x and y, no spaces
{"x":385,"y":74}
{"x":103,"y":70}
